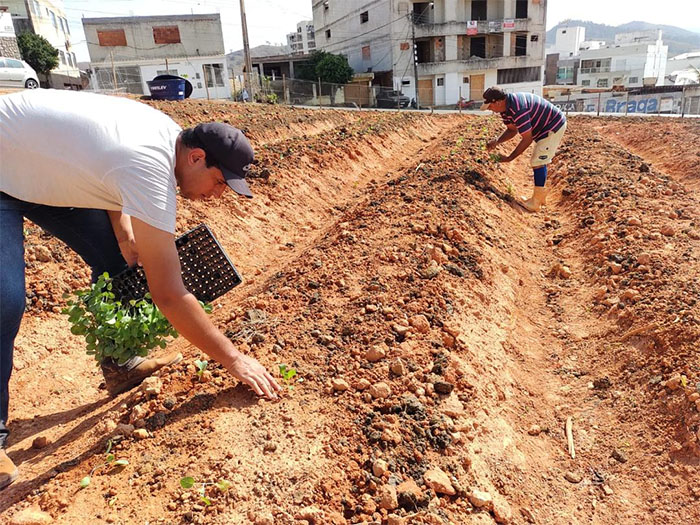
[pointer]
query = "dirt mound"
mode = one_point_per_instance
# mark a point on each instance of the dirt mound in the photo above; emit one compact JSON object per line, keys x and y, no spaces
{"x":441,"y":338}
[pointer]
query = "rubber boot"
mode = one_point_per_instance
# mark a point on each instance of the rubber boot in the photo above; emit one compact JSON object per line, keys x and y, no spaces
{"x":534,"y":203}
{"x":8,"y":470}
{"x":119,"y":379}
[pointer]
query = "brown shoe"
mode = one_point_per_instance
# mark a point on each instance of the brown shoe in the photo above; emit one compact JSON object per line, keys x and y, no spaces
{"x":8,"y":470}
{"x":119,"y":379}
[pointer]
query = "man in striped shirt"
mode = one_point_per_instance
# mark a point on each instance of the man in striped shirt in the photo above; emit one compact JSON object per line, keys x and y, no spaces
{"x":536,"y":120}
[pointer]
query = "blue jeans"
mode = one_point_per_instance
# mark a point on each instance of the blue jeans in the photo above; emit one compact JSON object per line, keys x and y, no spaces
{"x":88,"y":232}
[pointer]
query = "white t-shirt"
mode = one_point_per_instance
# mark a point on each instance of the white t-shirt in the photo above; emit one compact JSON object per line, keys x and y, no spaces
{"x":83,"y":150}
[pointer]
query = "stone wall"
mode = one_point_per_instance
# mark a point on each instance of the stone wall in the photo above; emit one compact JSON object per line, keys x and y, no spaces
{"x":8,"y":47}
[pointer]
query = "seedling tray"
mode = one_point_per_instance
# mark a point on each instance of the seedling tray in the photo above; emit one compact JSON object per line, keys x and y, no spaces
{"x":207,"y":271}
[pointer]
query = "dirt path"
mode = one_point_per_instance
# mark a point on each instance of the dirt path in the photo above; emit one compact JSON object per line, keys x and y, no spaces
{"x":440,"y":355}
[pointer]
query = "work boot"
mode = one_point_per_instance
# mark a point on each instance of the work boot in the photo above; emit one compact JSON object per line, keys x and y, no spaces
{"x":8,"y":470}
{"x":119,"y":379}
{"x":534,"y":203}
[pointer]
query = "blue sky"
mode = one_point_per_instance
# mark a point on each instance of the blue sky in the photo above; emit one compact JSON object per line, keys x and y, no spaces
{"x":271,"y":20}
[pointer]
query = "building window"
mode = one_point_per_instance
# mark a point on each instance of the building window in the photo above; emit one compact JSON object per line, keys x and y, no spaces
{"x":602,"y":82}
{"x":535,"y":38}
{"x":521,"y":8}
{"x":364,"y":17}
{"x":62,"y":55}
{"x":520,"y":45}
{"x":366,"y":53}
{"x":465,"y":80}
{"x":52,"y":16}
{"x":585,"y":82}
{"x":440,"y":81}
{"x":75,"y":60}
{"x":634,"y":80}
{"x":328,"y":34}
{"x":478,"y":47}
{"x":67,"y":28}
{"x":519,"y":74}
{"x":214,"y":75}
{"x":478,"y":9}
{"x":111,"y":38}
{"x":166,"y":35}
{"x":405,"y":82}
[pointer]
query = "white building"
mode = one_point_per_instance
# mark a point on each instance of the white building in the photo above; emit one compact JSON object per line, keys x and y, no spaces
{"x":8,"y":40}
{"x":137,"y":48}
{"x":303,"y":41}
{"x":567,"y":42}
{"x":48,"y":19}
{"x":684,"y":69}
{"x":462,"y":46}
{"x":634,"y":60}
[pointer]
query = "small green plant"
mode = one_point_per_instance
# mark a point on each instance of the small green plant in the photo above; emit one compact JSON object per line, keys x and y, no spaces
{"x":188,"y":482}
{"x":495,"y":157}
{"x":110,"y":460}
{"x":116,"y":330}
{"x":510,"y":189}
{"x":201,"y":367}
{"x":288,"y":375}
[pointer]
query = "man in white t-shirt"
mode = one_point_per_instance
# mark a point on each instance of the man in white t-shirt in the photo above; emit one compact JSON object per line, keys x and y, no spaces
{"x":102,"y":174}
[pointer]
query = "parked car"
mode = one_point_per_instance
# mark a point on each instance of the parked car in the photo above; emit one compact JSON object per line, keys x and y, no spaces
{"x":17,"y":73}
{"x":392,"y":99}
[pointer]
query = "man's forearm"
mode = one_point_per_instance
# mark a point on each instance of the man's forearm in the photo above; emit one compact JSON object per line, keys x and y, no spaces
{"x":506,"y":136}
{"x":121,"y":224}
{"x":522,"y":146}
{"x":189,"y":319}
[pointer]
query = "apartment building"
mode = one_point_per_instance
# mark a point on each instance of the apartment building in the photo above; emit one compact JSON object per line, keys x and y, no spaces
{"x":134,"y":49}
{"x":303,"y":41}
{"x":461,"y":46}
{"x":634,"y":60}
{"x":48,"y":19}
{"x":8,"y":40}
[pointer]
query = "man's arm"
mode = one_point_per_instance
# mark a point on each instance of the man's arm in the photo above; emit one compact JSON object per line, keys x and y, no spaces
{"x":123,"y":231}
{"x":525,"y":141}
{"x":510,"y":132}
{"x":158,"y":256}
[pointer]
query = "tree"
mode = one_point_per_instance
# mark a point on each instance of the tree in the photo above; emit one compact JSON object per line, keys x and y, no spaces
{"x":329,"y":68}
{"x":38,"y":52}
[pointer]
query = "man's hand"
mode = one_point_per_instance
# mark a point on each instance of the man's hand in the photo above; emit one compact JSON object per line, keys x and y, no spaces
{"x":129,"y":251}
{"x":491,"y":145}
{"x":507,"y":158}
{"x":247,"y":369}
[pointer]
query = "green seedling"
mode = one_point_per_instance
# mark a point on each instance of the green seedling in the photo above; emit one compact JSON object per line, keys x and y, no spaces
{"x":495,"y":157}
{"x":188,"y":482}
{"x":510,"y":188}
{"x":117,"y":330}
{"x":201,"y":367}
{"x":110,"y":460}
{"x":288,"y":375}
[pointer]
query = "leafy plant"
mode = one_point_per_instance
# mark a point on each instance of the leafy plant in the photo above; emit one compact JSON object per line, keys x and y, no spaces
{"x":495,"y":157}
{"x":113,"y":329}
{"x":188,"y":482}
{"x":110,"y":460}
{"x":201,"y":367}
{"x":287,"y":375}
{"x":37,"y":52}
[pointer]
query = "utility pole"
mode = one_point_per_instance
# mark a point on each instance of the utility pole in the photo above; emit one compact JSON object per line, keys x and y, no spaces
{"x":114,"y":71}
{"x":246,"y":52}
{"x":414,"y":57}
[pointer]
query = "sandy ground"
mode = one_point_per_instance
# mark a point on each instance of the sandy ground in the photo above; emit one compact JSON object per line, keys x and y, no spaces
{"x":443,"y":337}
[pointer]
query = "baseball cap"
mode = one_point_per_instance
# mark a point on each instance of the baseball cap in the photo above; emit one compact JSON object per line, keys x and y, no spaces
{"x":231,"y":151}
{"x":492,"y":94}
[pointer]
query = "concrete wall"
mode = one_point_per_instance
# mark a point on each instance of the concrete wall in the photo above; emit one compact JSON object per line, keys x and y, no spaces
{"x":200,"y":35}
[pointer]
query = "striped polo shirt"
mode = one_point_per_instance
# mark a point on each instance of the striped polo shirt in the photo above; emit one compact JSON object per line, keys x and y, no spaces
{"x":532,"y":113}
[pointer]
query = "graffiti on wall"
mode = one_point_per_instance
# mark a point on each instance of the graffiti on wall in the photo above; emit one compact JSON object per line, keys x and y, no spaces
{"x":635,"y":104}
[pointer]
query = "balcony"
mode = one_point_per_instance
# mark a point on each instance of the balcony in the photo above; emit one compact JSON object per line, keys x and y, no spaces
{"x":590,"y":70}
{"x":450,"y":66}
{"x":426,"y":30}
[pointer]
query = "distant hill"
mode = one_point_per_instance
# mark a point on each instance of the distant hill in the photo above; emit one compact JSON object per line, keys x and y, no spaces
{"x":235,"y":60}
{"x":678,"y":40}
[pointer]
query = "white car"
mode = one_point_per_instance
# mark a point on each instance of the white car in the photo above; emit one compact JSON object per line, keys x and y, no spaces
{"x":17,"y":73}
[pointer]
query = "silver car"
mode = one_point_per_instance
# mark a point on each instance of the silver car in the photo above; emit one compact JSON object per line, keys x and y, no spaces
{"x":17,"y":73}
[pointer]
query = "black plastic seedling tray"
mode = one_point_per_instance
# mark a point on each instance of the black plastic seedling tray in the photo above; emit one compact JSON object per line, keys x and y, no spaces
{"x":207,"y":271}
